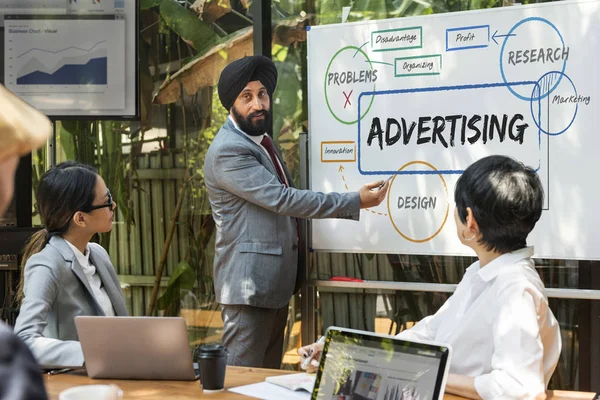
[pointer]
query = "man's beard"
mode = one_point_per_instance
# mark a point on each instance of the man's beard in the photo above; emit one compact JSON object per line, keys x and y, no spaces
{"x":250,"y":126}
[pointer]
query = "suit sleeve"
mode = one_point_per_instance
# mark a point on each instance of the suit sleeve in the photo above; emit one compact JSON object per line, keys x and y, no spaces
{"x":41,"y":289}
{"x":237,"y":170}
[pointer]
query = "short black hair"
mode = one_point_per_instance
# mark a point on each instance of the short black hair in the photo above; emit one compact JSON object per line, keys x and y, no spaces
{"x":506,"y":198}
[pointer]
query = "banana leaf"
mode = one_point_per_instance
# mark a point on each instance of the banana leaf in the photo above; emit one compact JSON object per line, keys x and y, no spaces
{"x":182,"y":279}
{"x":204,"y":69}
{"x":187,"y":25}
{"x":146,"y":4}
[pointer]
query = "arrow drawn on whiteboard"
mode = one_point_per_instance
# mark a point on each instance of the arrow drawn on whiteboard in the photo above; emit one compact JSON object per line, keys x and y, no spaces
{"x":341,"y":171}
{"x":494,"y":36}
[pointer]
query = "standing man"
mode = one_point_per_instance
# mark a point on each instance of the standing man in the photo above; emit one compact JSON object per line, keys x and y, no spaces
{"x":255,"y":209}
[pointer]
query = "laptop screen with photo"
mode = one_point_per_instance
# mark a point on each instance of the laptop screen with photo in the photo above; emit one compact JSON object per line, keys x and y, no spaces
{"x":358,"y":365}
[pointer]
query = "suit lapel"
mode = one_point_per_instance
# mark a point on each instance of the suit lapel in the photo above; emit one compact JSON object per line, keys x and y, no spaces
{"x":114,"y":293}
{"x":266,"y":160}
{"x":64,"y":249}
{"x":78,"y":271}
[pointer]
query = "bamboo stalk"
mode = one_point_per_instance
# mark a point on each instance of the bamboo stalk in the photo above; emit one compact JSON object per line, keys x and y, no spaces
{"x":174,"y":218}
{"x":167,"y":245}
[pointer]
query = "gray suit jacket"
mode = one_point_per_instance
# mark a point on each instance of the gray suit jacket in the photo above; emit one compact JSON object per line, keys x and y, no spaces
{"x":56,"y":291}
{"x":256,"y":248}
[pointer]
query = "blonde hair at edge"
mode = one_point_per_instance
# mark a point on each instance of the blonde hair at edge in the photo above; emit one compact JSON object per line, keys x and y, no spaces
{"x":22,"y":129}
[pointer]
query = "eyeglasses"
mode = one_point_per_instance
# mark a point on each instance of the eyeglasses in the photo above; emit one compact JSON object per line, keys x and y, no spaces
{"x":108,"y":204}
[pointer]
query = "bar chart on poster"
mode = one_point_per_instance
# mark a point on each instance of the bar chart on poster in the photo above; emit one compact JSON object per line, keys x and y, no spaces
{"x":68,"y":59}
{"x":419,"y":99}
{"x":72,"y":58}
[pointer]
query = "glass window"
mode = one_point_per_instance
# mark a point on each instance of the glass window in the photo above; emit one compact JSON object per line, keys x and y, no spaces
{"x":394,"y":311}
{"x":163,"y":230}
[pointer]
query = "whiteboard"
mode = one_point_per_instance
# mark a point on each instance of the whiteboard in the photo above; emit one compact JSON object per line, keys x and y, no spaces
{"x":421,"y":98}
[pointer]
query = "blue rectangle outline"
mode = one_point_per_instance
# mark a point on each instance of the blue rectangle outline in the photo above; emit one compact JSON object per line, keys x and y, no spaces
{"x":435,"y":89}
{"x":481,"y":46}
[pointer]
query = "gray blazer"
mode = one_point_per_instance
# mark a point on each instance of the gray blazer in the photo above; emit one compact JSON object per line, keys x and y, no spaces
{"x":56,"y":291}
{"x":256,"y":247}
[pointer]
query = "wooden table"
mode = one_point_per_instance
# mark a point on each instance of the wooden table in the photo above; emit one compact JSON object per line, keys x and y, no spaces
{"x":235,"y":376}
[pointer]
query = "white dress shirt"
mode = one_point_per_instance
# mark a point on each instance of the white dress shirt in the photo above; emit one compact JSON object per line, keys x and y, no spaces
{"x":258,"y":140}
{"x":94,"y":280}
{"x":500,"y":328}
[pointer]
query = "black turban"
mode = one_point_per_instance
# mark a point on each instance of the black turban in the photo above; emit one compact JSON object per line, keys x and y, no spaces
{"x":236,"y":76}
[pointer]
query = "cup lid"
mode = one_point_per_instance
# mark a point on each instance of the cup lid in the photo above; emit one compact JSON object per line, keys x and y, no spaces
{"x":212,"y":350}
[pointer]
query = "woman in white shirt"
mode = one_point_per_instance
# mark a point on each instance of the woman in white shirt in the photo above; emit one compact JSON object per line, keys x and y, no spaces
{"x":505,"y":340}
{"x":64,"y":275}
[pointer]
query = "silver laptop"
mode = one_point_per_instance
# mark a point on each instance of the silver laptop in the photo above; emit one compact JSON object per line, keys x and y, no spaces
{"x":154,"y":348}
{"x":361,"y":365}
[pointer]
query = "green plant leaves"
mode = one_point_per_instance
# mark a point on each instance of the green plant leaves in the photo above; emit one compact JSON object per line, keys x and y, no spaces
{"x":146,"y":4}
{"x":182,"y":278}
{"x":187,"y":25}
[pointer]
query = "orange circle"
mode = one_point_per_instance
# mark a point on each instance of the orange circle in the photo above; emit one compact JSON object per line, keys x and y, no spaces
{"x":390,"y":211}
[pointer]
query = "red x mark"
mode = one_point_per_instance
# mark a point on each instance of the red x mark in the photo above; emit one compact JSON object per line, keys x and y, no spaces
{"x":347,"y":103}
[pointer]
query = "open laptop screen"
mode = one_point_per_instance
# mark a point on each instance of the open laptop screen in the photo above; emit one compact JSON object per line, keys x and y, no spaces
{"x":362,"y":365}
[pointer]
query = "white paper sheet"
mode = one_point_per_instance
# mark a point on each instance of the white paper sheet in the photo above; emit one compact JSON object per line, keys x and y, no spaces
{"x":268,"y":391}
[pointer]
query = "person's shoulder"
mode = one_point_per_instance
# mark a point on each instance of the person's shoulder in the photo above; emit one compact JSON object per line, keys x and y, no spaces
{"x":8,"y":339}
{"x":226,"y":138}
{"x":18,"y":366}
{"x":5,"y":332}
{"x":520,"y":277}
{"x":48,"y":256}
{"x":9,"y":342}
{"x":233,"y":142}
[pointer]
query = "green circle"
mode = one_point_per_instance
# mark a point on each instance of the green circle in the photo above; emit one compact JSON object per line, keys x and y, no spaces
{"x":358,"y":50}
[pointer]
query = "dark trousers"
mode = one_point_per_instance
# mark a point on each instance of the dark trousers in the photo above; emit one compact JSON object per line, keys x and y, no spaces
{"x":253,"y":335}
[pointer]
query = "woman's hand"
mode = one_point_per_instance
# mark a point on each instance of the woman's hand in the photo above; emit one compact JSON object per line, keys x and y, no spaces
{"x":312,"y":351}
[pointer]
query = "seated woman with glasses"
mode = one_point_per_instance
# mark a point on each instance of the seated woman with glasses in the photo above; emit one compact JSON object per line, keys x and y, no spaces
{"x":64,"y":275}
{"x":505,"y":339}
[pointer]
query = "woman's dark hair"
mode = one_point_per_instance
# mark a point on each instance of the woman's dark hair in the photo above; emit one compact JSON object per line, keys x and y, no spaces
{"x":63,"y":190}
{"x":506,"y":198}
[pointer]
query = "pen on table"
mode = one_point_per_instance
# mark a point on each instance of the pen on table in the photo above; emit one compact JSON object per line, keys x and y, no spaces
{"x":310,"y":354}
{"x":59,"y":371}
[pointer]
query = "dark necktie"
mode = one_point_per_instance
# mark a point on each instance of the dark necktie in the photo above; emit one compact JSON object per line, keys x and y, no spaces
{"x":268,"y":145}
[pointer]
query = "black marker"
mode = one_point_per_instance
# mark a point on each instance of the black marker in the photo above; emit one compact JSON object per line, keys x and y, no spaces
{"x":387,"y":180}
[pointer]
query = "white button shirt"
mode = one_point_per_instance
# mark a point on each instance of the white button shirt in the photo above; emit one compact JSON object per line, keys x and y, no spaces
{"x":94,"y":280}
{"x":500,"y":328}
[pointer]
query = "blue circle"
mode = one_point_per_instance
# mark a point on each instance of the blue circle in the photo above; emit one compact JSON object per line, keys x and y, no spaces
{"x":502,"y":52}
{"x":537,"y":85}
